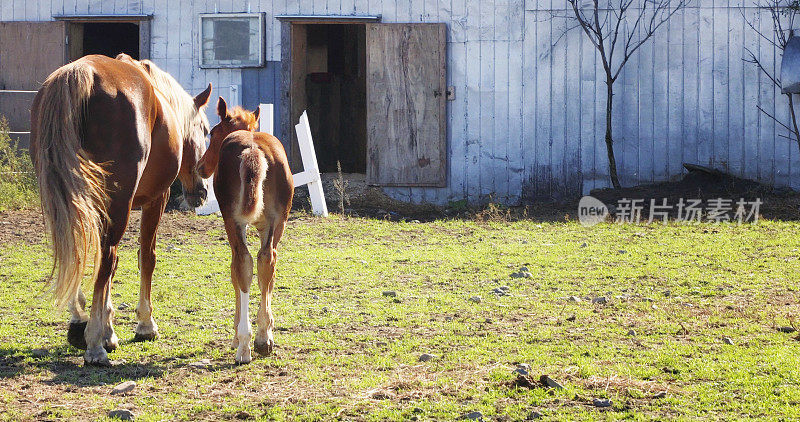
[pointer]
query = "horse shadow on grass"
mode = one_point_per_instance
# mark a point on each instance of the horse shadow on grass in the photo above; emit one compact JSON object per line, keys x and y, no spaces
{"x":66,"y":363}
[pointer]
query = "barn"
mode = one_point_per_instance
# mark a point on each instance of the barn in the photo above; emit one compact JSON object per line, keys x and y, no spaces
{"x":442,"y":100}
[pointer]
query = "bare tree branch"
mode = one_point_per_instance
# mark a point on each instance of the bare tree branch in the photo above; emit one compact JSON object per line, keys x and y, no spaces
{"x":773,"y":118}
{"x":605,"y":27}
{"x":783,"y":14}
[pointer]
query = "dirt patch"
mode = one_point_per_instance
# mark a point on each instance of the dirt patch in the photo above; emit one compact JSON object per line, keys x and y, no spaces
{"x":706,"y":184}
{"x":367,"y":201}
{"x":21,"y":226}
{"x":362,"y":200}
{"x":27,"y":226}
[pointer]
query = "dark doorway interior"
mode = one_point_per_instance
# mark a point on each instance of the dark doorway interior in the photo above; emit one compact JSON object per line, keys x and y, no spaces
{"x":110,"y":39}
{"x":336,"y":96}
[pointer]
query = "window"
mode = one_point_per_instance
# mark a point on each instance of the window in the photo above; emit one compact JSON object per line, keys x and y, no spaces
{"x":231,"y":40}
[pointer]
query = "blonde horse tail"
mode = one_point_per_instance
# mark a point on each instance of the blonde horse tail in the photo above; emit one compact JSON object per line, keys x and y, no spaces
{"x":252,"y":172}
{"x":71,"y":185}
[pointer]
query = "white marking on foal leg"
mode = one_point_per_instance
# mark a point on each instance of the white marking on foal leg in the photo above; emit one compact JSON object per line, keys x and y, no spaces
{"x":146,"y":329}
{"x":244,"y":331}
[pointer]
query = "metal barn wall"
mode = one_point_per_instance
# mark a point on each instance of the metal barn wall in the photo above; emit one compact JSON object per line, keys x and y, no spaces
{"x":528,"y":118}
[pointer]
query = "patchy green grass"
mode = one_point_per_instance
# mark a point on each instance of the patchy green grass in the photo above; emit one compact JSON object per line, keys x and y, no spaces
{"x":345,"y":351}
{"x":17,"y":180}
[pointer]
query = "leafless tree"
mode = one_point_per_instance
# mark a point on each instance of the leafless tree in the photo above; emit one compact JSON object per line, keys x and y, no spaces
{"x":617,"y":29}
{"x":783,"y":14}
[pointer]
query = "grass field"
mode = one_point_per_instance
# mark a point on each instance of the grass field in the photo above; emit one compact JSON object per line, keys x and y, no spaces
{"x":346,"y":351}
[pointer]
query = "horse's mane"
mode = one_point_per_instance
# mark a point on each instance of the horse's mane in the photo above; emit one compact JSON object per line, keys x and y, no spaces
{"x":245,"y":116}
{"x":179,"y":100}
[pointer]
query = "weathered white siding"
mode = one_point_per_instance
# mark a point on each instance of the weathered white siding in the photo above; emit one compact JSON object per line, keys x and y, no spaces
{"x":528,"y":118}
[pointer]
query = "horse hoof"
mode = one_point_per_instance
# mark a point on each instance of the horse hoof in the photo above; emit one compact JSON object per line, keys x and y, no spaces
{"x":96,"y":357}
{"x":75,"y":335}
{"x":139,"y":337}
{"x":265,"y":348}
{"x":111,"y":344}
{"x":243,"y":355}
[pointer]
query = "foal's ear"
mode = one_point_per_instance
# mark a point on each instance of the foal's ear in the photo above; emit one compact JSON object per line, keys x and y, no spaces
{"x":257,"y":112}
{"x":202,"y":98}
{"x":222,"y":108}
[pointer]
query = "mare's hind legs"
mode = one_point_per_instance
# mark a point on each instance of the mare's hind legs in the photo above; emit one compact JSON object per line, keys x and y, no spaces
{"x":242,"y":277}
{"x":78,"y":320}
{"x":100,"y":336}
{"x":147,"y":329}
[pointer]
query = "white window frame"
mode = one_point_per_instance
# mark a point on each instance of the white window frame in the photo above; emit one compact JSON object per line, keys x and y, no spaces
{"x":261,"y":41}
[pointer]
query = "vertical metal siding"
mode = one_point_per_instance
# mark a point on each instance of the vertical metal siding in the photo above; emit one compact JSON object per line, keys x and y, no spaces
{"x":528,"y":119}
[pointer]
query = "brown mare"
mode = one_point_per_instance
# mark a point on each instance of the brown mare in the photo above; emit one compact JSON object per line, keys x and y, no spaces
{"x":108,"y":135}
{"x":254,"y":185}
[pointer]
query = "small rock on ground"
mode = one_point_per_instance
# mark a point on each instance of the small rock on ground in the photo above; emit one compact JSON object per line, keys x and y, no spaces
{"x":524,"y":381}
{"x":40,"y":353}
{"x":425,"y":357}
{"x":124,"y":387}
{"x":534,"y":415}
{"x":602,"y":403}
{"x":727,"y":340}
{"x":472,"y":416}
{"x":203,"y":363}
{"x":121,"y":414}
{"x":575,"y":299}
{"x":632,"y":333}
{"x":787,"y":329}
{"x":242,"y":415}
{"x":601,"y":300}
{"x":660,"y":395}
{"x":522,"y":273}
{"x":476,"y":299}
{"x":549,"y":382}
{"x":390,"y":293}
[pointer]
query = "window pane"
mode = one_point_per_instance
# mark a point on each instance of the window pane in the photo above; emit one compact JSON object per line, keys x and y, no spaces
{"x":232,"y":40}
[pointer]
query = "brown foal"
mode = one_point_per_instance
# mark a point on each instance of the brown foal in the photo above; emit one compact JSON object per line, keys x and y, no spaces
{"x":253,"y":184}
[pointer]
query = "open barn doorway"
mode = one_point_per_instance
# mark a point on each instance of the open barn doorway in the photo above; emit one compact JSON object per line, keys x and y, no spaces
{"x":111,"y":38}
{"x":108,"y":35}
{"x":375,"y":93}
{"x":330,"y":83}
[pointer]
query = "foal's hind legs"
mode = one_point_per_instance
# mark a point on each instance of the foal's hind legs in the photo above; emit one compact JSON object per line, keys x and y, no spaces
{"x":267,"y":258}
{"x":242,"y":277}
{"x":147,"y":329}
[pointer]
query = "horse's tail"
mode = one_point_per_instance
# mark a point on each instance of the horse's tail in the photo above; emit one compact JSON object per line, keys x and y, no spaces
{"x":71,"y":185}
{"x":252,"y":172}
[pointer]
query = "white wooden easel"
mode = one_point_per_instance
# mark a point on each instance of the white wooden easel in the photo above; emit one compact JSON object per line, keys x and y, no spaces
{"x":309,"y":176}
